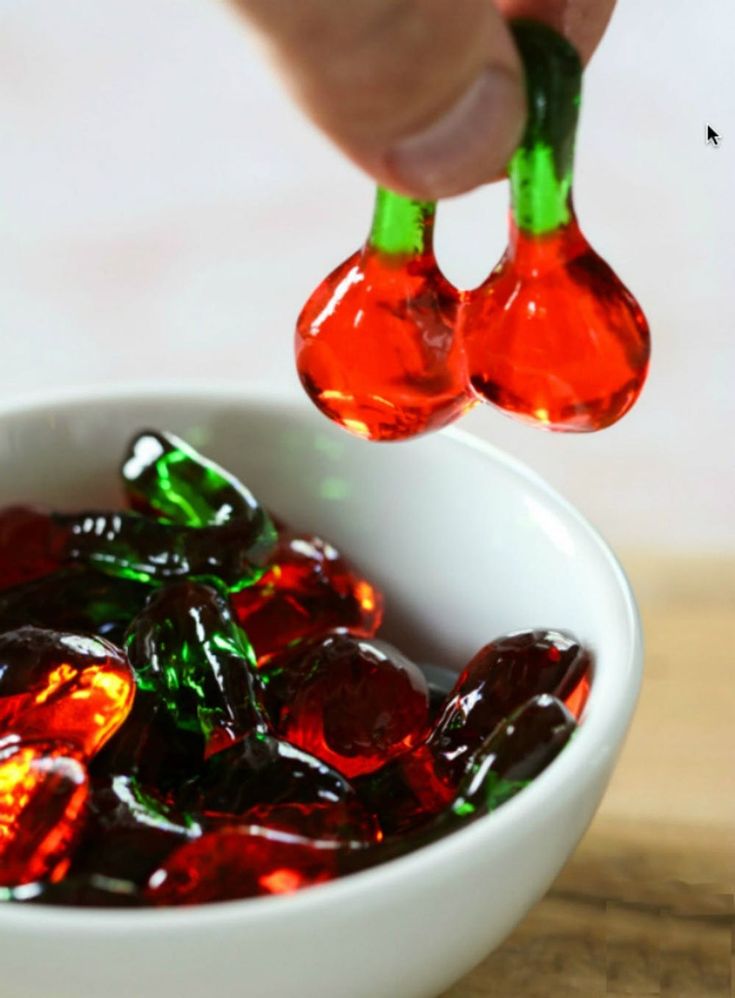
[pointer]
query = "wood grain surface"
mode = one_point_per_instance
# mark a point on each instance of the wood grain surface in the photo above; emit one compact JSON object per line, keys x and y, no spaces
{"x":646,"y":906}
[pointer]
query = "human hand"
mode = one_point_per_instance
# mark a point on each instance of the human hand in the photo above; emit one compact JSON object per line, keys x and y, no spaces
{"x":426,"y":96}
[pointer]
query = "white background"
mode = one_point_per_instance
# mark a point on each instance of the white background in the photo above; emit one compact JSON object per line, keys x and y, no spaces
{"x":164,"y":212}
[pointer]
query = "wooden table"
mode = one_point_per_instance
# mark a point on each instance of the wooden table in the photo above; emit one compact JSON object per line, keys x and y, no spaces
{"x":646,"y":904}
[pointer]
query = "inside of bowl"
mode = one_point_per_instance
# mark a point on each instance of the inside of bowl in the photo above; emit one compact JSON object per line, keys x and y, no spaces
{"x":465,"y":544}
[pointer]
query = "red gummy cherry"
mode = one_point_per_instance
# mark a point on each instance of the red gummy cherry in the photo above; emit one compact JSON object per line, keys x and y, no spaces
{"x":43,"y":790}
{"x":239,"y":863}
{"x":356,"y":704}
{"x":67,"y":687}
{"x":553,"y":337}
{"x":310,"y":589}
{"x":376,"y":348}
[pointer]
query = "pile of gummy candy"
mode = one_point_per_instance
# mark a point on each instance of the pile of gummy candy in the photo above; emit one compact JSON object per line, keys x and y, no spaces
{"x":193,"y":706}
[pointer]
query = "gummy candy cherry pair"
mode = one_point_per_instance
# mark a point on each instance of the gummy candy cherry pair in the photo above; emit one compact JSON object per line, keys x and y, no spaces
{"x":388,"y":349}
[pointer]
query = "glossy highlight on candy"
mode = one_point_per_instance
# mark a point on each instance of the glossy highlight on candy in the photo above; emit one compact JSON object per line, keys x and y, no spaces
{"x":261,"y":769}
{"x":74,"y":689}
{"x":129,"y":831}
{"x":356,"y":704}
{"x":345,"y":821}
{"x":388,"y":349}
{"x":43,"y":789}
{"x":499,"y":679}
{"x":309,"y":590}
{"x":132,"y":546}
{"x":165,"y":476}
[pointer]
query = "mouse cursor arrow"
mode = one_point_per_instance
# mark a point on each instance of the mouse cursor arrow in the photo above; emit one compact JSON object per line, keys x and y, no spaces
{"x":713,"y":137}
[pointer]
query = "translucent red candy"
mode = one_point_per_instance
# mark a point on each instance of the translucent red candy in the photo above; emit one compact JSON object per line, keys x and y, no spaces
{"x":64,"y":687}
{"x":355,"y":704}
{"x":552,"y":337}
{"x":310,"y":589}
{"x":501,"y":677}
{"x":515,"y":752}
{"x":43,"y":789}
{"x":239,"y":863}
{"x":572,"y":351}
{"x":30,"y":545}
{"x":375,"y":343}
{"x":343,"y":821}
{"x":407,"y":792}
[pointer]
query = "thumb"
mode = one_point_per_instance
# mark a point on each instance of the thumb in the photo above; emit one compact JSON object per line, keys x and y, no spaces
{"x":424,"y":95}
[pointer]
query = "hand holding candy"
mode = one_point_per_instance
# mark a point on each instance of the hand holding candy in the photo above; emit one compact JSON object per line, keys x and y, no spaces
{"x":504,"y":675}
{"x":552,"y":337}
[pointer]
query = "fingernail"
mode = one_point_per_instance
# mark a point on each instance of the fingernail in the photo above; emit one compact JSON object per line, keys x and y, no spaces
{"x":470,"y":144}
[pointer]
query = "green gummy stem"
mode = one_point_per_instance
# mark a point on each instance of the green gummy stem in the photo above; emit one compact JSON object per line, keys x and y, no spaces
{"x":401,"y":226}
{"x":540,"y":201}
{"x":540,"y":170}
{"x":494,"y":792}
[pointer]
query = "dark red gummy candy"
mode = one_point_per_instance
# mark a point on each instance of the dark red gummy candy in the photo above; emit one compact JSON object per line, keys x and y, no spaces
{"x":30,"y":545}
{"x":342,"y":821}
{"x":310,"y":589}
{"x":355,"y":704}
{"x":498,"y":680}
{"x":43,"y":789}
{"x":239,"y":863}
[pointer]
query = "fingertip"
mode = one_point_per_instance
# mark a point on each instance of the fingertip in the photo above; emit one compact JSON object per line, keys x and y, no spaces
{"x":467,"y":145}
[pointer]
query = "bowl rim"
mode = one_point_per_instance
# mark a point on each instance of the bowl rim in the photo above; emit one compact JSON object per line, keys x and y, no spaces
{"x":604,"y":723}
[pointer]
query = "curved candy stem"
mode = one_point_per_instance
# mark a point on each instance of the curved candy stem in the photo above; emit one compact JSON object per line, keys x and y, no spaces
{"x":401,"y":226}
{"x":541,"y":168}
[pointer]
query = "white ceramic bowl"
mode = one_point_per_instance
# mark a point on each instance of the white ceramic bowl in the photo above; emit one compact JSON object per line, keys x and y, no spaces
{"x":467,"y":544}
